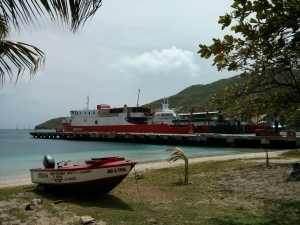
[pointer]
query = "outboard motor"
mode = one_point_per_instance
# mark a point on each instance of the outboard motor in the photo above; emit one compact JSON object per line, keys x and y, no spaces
{"x":48,"y":161}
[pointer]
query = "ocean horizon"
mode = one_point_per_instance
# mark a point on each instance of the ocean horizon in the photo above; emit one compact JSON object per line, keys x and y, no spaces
{"x":20,"y":152}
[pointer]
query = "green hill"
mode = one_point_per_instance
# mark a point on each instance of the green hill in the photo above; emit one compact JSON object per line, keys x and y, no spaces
{"x":195,"y":95}
{"x":50,"y":124}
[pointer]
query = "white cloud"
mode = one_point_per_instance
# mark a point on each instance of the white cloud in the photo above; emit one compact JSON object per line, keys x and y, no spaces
{"x":163,"y":62}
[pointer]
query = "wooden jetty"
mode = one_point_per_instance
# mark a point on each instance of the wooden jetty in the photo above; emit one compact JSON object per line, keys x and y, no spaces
{"x":201,"y":139}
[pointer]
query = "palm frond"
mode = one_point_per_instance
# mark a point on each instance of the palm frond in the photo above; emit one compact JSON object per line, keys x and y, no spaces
{"x":4,"y":29}
{"x":22,"y":56}
{"x":178,"y":154}
{"x":27,"y":13}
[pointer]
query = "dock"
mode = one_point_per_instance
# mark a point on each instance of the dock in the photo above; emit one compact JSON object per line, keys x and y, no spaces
{"x":201,"y":139}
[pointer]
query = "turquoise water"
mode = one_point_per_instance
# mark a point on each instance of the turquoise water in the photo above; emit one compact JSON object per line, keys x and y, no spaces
{"x":19,"y":152}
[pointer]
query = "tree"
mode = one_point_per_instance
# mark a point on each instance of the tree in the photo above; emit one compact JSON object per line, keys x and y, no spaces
{"x":15,"y":15}
{"x":293,"y":122}
{"x":265,"y":52}
{"x":179,"y":154}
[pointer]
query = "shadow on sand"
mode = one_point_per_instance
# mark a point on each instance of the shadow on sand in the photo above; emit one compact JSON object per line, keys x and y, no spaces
{"x":83,"y":198}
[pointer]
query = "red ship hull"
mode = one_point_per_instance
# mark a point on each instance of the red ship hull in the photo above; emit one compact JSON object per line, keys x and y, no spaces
{"x":139,"y":128}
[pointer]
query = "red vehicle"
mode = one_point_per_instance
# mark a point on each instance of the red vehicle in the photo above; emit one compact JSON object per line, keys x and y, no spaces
{"x":262,"y":128}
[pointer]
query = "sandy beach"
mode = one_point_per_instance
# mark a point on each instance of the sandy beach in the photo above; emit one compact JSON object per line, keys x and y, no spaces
{"x":251,"y":189}
{"x":164,"y":164}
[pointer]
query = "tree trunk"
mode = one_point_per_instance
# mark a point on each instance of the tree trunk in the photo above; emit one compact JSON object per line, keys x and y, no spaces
{"x":267,"y":158}
{"x":186,"y":177}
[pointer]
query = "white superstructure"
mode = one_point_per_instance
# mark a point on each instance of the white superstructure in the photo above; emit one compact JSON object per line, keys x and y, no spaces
{"x":165,"y":115}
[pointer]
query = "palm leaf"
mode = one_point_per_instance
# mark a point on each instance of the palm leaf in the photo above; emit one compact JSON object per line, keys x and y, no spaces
{"x":27,"y":13}
{"x":178,"y":154}
{"x":4,"y":29}
{"x":22,"y":56}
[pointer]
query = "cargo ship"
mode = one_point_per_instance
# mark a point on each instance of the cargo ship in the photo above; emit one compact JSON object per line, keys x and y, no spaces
{"x":137,"y":119}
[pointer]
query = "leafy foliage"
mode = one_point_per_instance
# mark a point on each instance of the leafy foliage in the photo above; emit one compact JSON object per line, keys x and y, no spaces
{"x":293,"y":122}
{"x":265,"y":51}
{"x":28,"y":13}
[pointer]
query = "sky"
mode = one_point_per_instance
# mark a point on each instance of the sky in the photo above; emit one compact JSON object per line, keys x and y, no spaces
{"x":128,"y":46}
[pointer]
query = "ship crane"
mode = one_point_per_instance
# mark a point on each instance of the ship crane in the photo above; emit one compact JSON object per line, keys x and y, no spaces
{"x":178,"y":109}
{"x":206,"y":126}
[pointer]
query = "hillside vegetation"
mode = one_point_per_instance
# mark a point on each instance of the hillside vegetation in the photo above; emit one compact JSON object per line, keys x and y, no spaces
{"x":195,"y":95}
{"x":50,"y":124}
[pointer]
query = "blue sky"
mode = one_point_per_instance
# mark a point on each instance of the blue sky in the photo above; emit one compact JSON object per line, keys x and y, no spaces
{"x":127,"y":46}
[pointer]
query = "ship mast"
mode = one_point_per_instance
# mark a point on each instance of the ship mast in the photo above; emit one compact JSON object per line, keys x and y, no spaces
{"x":137,"y":104}
{"x":87,"y":102}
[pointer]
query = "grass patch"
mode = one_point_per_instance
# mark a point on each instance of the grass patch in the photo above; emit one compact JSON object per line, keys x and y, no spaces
{"x":294,"y":153}
{"x":216,"y":195}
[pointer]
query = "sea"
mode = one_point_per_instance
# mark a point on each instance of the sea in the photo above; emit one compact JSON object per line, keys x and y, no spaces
{"x":19,"y":152}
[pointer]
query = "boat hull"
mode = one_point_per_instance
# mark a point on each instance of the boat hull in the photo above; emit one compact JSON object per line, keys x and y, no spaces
{"x":98,"y":175}
{"x":154,"y":128}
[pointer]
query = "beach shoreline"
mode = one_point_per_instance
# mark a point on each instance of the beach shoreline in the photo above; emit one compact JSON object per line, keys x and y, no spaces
{"x":143,"y":166}
{"x":164,"y":164}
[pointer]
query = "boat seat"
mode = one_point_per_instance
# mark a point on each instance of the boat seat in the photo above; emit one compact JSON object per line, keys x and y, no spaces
{"x":101,"y":161}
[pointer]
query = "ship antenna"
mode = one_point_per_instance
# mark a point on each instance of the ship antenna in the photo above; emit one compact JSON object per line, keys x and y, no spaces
{"x":137,"y":104}
{"x":87,"y":102}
